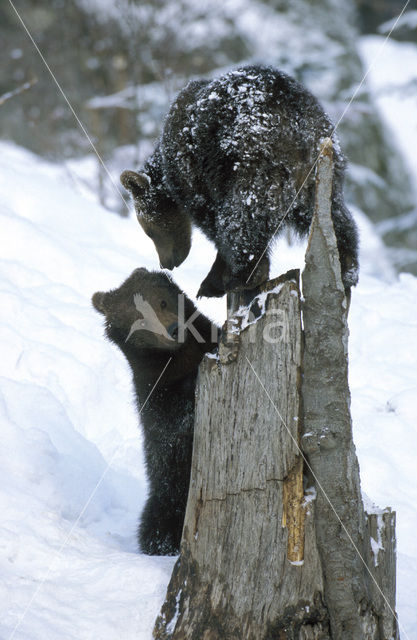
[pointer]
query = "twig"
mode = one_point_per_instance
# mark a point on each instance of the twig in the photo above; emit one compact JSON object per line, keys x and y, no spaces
{"x":16,"y":92}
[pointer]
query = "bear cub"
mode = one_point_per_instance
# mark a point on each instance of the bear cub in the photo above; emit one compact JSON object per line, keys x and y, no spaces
{"x":236,"y":158}
{"x":164,"y":339}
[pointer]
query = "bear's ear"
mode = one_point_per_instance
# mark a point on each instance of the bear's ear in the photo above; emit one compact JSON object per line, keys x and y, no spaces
{"x":136,"y":183}
{"x":98,"y":302}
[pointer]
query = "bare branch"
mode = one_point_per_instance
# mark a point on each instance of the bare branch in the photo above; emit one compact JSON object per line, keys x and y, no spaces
{"x":18,"y":91}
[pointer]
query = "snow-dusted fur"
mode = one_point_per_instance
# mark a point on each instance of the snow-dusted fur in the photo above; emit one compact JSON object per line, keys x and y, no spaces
{"x":236,"y":156}
{"x":166,"y":404}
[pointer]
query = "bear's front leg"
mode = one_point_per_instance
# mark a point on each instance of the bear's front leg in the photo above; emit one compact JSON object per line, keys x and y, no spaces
{"x":248,"y":277}
{"x":212,"y":285}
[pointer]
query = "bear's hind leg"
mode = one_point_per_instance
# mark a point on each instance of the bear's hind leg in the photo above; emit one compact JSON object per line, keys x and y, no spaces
{"x":347,"y":243}
{"x":160,"y":528}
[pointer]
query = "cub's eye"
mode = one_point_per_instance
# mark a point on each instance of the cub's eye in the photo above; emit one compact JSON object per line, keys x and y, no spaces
{"x":163,"y":304}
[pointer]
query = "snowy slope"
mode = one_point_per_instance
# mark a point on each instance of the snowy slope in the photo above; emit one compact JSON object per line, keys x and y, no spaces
{"x":72,"y":473}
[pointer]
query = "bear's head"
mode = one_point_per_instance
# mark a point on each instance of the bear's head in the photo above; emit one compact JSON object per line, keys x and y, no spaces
{"x":143,"y":311}
{"x":149,"y":311}
{"x":162,"y":220}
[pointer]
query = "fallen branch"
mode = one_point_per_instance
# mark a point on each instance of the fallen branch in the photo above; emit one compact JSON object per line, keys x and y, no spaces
{"x":11,"y":94}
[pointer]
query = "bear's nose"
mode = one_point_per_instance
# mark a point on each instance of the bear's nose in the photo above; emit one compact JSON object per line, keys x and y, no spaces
{"x":167,"y":264}
{"x":173,"y":330}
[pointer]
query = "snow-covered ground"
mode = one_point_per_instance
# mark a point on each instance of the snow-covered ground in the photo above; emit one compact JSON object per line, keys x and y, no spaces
{"x":72,"y":473}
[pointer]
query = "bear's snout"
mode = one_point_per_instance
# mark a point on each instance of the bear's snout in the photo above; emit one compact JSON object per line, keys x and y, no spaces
{"x":173,"y":330}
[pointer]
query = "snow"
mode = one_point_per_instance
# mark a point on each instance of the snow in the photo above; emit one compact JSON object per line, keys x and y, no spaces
{"x":173,"y":621}
{"x":73,"y":480}
{"x":408,"y":19}
{"x":297,"y":563}
{"x":376,"y":545}
{"x":245,"y":316}
{"x":392,"y":79}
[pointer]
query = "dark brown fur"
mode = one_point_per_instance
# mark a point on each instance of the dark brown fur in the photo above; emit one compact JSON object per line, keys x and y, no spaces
{"x":236,"y":158}
{"x":151,"y":340}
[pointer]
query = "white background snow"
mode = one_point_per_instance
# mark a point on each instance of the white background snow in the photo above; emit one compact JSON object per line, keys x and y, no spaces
{"x":71,"y":464}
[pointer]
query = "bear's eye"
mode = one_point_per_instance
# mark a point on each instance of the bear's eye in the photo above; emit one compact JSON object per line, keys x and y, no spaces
{"x":163,"y":304}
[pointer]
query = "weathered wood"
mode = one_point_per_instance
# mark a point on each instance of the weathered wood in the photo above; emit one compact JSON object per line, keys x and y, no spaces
{"x":245,"y":515}
{"x":342,"y":536}
{"x":294,"y":512}
{"x":381,"y":560}
{"x":276,"y":543}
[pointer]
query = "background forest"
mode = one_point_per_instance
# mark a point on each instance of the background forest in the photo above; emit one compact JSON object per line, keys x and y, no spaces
{"x":73,"y":480}
{"x":121,"y":62}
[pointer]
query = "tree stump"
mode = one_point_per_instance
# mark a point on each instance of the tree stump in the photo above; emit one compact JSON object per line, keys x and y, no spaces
{"x":360,"y":603}
{"x":276,"y":543}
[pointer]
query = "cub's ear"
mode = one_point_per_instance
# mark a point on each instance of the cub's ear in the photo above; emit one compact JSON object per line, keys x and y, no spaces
{"x":136,"y":183}
{"x":98,"y":302}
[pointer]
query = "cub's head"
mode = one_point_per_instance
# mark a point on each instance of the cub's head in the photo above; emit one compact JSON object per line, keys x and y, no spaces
{"x":143,"y":313}
{"x":162,"y":220}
